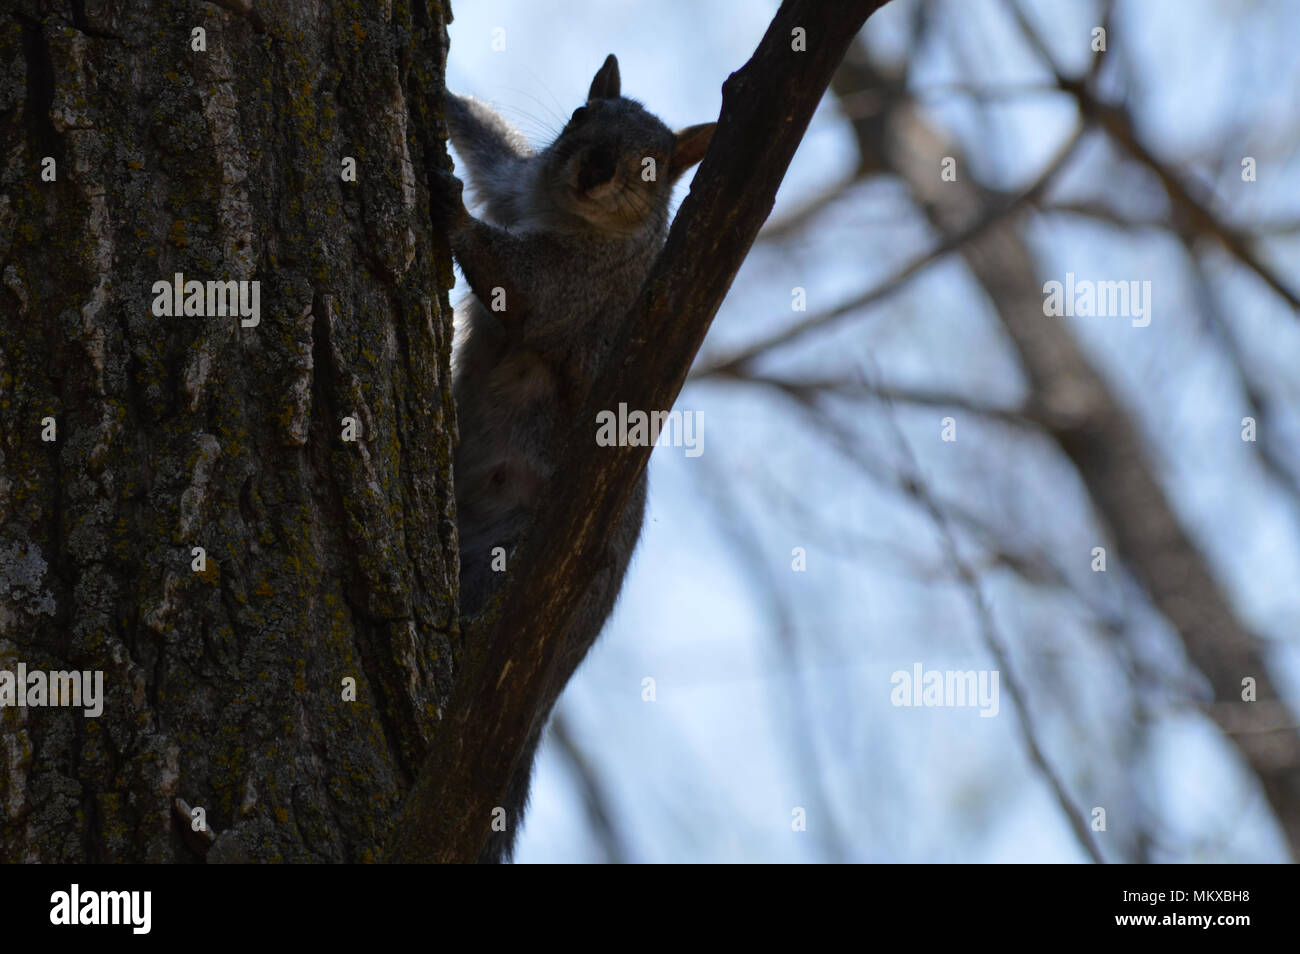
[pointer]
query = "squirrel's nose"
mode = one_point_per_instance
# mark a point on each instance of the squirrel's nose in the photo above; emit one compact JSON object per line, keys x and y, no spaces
{"x":597,"y":167}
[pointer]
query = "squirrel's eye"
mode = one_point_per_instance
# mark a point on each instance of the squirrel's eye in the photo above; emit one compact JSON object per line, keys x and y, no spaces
{"x":578,"y":114}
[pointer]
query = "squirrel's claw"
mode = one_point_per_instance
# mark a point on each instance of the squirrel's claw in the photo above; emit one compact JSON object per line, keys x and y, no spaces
{"x":447,"y":199}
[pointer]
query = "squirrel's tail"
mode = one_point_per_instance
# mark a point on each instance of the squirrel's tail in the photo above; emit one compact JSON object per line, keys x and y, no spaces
{"x":500,"y":846}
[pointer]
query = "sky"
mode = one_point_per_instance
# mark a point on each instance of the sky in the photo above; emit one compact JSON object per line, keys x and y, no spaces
{"x":755,"y":719}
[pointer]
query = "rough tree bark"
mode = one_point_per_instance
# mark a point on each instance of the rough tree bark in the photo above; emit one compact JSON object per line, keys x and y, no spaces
{"x":325,"y":559}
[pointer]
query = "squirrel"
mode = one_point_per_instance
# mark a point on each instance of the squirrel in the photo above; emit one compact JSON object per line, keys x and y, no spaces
{"x":565,"y":240}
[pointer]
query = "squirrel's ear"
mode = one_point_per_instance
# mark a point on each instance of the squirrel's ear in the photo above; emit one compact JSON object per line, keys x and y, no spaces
{"x":606,"y":83}
{"x":689,"y":148}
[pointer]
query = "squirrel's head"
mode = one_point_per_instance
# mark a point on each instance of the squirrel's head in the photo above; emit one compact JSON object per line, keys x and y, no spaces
{"x":614,"y":164}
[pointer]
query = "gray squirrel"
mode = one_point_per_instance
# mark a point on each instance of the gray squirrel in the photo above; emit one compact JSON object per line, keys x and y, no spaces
{"x":566,"y":238}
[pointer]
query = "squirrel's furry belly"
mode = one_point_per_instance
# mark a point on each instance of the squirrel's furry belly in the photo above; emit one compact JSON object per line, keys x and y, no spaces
{"x":567,"y":237}
{"x":508,"y":427}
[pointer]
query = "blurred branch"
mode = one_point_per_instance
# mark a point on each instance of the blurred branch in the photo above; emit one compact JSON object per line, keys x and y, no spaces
{"x":1291,"y":227}
{"x":994,"y":215}
{"x":594,"y":797}
{"x":1274,"y":716}
{"x":1257,"y":402}
{"x":1016,"y":417}
{"x":1035,"y":565}
{"x":1101,"y":212}
{"x":793,"y":223}
{"x":1117,"y":121}
{"x":912,"y":483}
{"x":984,"y":91}
{"x":1095,"y":432}
{"x":748,"y":546}
{"x":1074,"y":815}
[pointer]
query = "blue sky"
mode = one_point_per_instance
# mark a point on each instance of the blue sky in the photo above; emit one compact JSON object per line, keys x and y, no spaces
{"x":744,"y":731}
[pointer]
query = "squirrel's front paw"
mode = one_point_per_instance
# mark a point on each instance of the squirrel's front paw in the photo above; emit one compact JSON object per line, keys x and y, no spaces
{"x":447,"y":200}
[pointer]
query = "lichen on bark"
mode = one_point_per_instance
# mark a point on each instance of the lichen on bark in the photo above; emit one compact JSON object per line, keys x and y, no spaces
{"x":324,"y":559}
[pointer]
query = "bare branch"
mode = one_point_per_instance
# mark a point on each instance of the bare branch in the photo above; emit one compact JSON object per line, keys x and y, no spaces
{"x":1257,"y":403}
{"x":1096,"y":433}
{"x":594,"y":797}
{"x":1100,"y":212}
{"x":1018,"y":417}
{"x":798,"y":723}
{"x":996,"y":214}
{"x":914,"y":485}
{"x":767,"y":106}
{"x":1118,"y":123}
{"x":794,"y":222}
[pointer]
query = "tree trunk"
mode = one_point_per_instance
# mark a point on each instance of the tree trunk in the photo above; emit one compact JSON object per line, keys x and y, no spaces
{"x":324,"y":559}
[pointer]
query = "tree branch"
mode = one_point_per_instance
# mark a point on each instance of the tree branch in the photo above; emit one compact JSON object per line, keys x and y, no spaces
{"x":1118,"y":123}
{"x":595,"y":797}
{"x":853,"y":388}
{"x":766,"y":107}
{"x":914,"y":480}
{"x":1093,"y":429}
{"x":741,"y":360}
